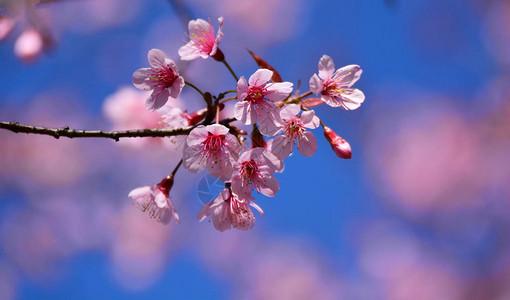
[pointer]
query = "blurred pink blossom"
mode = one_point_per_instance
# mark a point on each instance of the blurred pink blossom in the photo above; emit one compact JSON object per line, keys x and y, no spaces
{"x":29,"y":44}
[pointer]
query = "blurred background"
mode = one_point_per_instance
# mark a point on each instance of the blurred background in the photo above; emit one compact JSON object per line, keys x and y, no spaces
{"x":419,"y":212}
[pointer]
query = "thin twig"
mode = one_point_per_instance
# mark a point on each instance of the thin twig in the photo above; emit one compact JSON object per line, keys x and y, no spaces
{"x":194,"y":87}
{"x":115,"y":135}
{"x":230,"y":69}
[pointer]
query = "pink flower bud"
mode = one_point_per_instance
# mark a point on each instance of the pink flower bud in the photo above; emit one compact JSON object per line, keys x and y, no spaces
{"x":29,"y":44}
{"x":339,"y":145}
{"x":196,"y":117}
{"x":311,"y":102}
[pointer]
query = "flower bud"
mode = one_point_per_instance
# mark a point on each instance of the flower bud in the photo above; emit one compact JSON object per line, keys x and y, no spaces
{"x":339,"y":145}
{"x":311,"y":102}
{"x":166,"y":184}
{"x":196,"y":117}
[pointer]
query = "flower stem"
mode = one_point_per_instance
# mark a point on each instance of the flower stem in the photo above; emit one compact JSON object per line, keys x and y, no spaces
{"x":230,"y":69}
{"x":217,"y":114}
{"x":194,"y":87}
{"x":176,"y":168}
{"x":228,"y":99}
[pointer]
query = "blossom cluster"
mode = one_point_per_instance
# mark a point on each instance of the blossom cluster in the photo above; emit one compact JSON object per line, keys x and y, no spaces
{"x":280,"y":120}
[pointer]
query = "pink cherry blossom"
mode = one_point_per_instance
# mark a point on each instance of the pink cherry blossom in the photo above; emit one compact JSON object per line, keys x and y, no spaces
{"x":254,"y":170}
{"x":202,"y":42}
{"x":154,"y":200}
{"x":256,"y":97}
{"x":213,"y":147}
{"x":294,"y":131}
{"x":162,"y":78}
{"x":335,"y":87}
{"x":228,"y":211}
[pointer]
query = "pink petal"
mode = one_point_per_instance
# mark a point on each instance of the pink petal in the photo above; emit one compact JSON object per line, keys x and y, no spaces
{"x":316,"y":85}
{"x":331,"y":101}
{"x":244,"y":113}
{"x":141,"y":79}
{"x":220,"y":220}
{"x":219,"y":167}
{"x":217,"y":129}
{"x":188,"y":52}
{"x":242,"y":89}
{"x":176,"y":88}
{"x":219,"y":36}
{"x":157,"y":99}
{"x":281,"y":147}
{"x":308,"y":145}
{"x":159,"y":198}
{"x":279,"y":91}
{"x":270,"y":186}
{"x":326,"y":67}
{"x":157,"y":58}
{"x":243,"y":191}
{"x":348,"y":75}
{"x":198,"y":27}
{"x":274,"y":163}
{"x":260,"y":77}
{"x":310,"y":120}
{"x":252,"y":204}
{"x":233,"y":146}
{"x":140,"y":192}
{"x":197,"y":135}
{"x":193,"y":160}
{"x":289,"y":111}
{"x":352,"y":99}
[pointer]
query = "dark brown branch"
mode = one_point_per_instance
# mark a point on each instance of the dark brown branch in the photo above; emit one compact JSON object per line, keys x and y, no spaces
{"x":74,"y":133}
{"x":115,"y":135}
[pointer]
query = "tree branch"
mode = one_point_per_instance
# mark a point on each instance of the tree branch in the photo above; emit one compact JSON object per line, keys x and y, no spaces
{"x":115,"y":135}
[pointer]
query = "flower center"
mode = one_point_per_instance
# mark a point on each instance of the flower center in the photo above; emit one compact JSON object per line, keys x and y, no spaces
{"x":249,"y":171}
{"x":256,"y":95}
{"x":162,"y":77}
{"x":333,"y":88}
{"x":213,"y":145}
{"x":294,"y":128}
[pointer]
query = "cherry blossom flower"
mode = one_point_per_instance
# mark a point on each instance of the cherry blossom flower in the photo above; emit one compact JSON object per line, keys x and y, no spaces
{"x":335,"y":87}
{"x":294,"y":131}
{"x":202,"y":42}
{"x":162,"y":78}
{"x":228,"y":211}
{"x":339,"y":145}
{"x":254,"y":170}
{"x":256,"y":97}
{"x":154,"y":200}
{"x":213,"y":147}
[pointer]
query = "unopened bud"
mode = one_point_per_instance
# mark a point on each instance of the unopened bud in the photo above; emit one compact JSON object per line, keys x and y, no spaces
{"x":166,"y":184}
{"x":196,"y":117}
{"x":311,"y":102}
{"x":257,"y":139}
{"x":218,"y":56}
{"x":339,"y":145}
